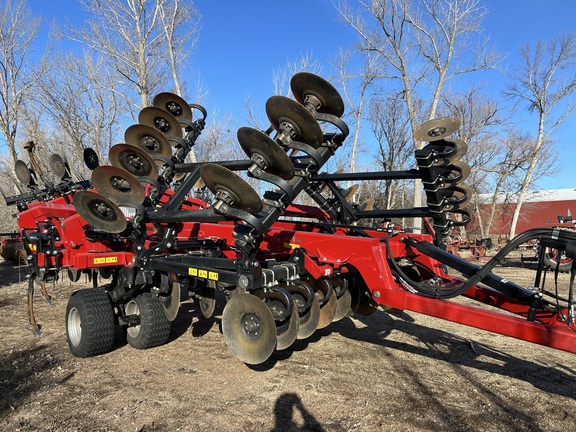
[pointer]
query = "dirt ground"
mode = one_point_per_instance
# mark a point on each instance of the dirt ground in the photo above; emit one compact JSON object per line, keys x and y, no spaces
{"x":403,"y":373}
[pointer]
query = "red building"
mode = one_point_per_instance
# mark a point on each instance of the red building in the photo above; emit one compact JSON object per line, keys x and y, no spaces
{"x":539,"y":210}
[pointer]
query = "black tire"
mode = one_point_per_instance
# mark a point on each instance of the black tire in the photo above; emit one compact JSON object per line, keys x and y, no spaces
{"x":154,"y":327}
{"x":89,"y":323}
{"x":550,"y":257}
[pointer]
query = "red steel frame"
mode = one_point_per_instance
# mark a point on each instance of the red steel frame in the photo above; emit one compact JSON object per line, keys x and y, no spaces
{"x":325,"y":254}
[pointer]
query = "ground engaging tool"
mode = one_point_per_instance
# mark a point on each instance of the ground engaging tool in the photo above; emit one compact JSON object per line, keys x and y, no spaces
{"x":284,"y":269}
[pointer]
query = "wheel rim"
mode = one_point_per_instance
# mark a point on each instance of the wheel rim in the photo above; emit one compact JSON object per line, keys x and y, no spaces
{"x":553,"y":255}
{"x":133,"y":309}
{"x":74,"y":326}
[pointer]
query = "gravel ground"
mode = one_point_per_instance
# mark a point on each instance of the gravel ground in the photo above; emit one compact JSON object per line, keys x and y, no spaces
{"x":408,"y":372}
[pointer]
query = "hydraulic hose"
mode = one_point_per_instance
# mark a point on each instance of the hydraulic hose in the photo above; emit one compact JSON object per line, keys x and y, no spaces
{"x":562,"y":237}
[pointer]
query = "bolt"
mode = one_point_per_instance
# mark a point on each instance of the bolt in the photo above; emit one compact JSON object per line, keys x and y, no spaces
{"x":243,"y":281}
{"x":376,"y":294}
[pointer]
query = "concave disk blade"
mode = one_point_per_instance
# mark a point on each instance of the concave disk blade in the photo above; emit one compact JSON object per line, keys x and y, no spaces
{"x":309,"y":313}
{"x":436,"y":129}
{"x":171,"y":304}
{"x":57,"y":165}
{"x":314,"y":90}
{"x":361,"y":304}
{"x":327,"y":305}
{"x":207,"y":299}
{"x":118,"y":185}
{"x":287,"y":333}
{"x":343,"y":304}
{"x":249,"y":328}
{"x":454,"y":174}
{"x":349,"y":192}
{"x":161,"y":120}
{"x":366,"y":307}
{"x":22,"y":172}
{"x":217,"y":178}
{"x":366,"y":205}
{"x":327,"y":311}
{"x":91,"y":158}
{"x":174,"y":104}
{"x":130,"y":158}
{"x":459,"y":196}
{"x":148,"y":139}
{"x":453,"y":150}
{"x":255,"y":142}
{"x":100,"y":212}
{"x":303,"y":127}
{"x":309,"y":320}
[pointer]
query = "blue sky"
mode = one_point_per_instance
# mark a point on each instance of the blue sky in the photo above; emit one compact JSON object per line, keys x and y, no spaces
{"x":242,"y":42}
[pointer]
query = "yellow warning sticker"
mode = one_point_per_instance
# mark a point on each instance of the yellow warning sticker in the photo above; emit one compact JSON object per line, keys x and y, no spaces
{"x":106,"y":260}
{"x":291,"y":245}
{"x":205,"y":274}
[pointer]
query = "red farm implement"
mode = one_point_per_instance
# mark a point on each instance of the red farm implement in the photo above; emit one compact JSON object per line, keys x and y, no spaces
{"x":285,"y":269}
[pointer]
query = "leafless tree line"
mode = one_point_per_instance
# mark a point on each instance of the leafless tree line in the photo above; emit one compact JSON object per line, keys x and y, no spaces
{"x":89,"y":82}
{"x":414,"y":54}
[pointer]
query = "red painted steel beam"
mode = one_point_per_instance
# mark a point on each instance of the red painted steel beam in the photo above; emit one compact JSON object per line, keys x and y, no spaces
{"x":557,"y":335}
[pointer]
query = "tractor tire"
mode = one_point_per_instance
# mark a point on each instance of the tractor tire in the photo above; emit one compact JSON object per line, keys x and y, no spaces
{"x":154,"y":327}
{"x":90,"y":323}
{"x":550,"y":260}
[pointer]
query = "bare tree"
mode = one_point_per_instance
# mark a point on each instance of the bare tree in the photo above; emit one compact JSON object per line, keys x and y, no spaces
{"x":543,"y":84}
{"x":480,"y":123}
{"x":514,"y":152}
{"x":181,"y":24}
{"x":426,"y":44}
{"x":81,"y":108}
{"x":19,"y":71}
{"x":282,"y":75}
{"x":129,"y":36}
{"x":356,"y":83}
{"x":218,"y":142}
{"x":391,"y":127}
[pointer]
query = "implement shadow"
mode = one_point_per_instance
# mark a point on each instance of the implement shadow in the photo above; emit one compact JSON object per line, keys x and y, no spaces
{"x":11,"y":273}
{"x":458,"y":351}
{"x":23,"y":375}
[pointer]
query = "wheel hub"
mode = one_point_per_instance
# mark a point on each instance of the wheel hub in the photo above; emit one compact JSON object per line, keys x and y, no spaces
{"x":251,"y":325}
{"x":437,"y":131}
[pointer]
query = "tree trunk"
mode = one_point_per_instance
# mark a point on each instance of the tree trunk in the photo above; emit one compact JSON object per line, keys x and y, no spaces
{"x":528,"y":178}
